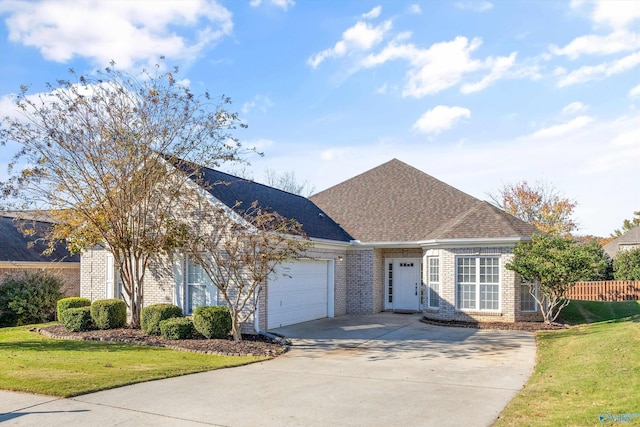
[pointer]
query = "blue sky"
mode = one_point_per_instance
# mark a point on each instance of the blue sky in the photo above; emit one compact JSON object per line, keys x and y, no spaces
{"x":474,"y":93}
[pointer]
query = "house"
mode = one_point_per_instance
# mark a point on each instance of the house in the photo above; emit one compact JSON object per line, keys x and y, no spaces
{"x":629,"y":240}
{"x":392,"y":238}
{"x":20,"y":254}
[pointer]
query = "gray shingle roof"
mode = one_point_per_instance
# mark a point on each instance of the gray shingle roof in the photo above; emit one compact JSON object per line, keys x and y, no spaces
{"x":395,"y":202}
{"x":314,"y":221}
{"x":631,"y":237}
{"x":14,"y":246}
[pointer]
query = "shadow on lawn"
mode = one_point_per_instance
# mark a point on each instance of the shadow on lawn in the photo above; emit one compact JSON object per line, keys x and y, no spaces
{"x":69,"y":345}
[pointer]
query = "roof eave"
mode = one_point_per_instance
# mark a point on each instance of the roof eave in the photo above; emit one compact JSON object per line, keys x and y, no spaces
{"x":494,"y":241}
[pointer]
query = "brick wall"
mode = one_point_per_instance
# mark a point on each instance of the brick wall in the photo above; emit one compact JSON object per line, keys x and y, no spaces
{"x":360,"y":285}
{"x":69,"y":273}
{"x":509,"y":288}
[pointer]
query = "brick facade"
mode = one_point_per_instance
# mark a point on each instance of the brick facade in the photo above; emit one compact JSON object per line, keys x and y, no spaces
{"x":510,"y":283}
{"x":68,"y":272}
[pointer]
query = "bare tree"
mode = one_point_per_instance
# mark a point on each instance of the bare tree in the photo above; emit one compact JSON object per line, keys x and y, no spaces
{"x":98,"y":152}
{"x":287,"y":181}
{"x":240,"y":251}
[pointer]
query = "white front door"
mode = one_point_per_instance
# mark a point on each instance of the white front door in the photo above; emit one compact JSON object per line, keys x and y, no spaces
{"x":406,"y":284}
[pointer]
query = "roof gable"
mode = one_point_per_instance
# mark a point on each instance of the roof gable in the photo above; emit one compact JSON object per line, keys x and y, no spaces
{"x":231,"y":190}
{"x":397,"y":202}
{"x":14,"y":246}
{"x":631,"y":237}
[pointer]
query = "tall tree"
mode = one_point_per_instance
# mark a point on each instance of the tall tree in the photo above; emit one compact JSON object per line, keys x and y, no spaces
{"x":539,"y":204}
{"x":556,"y":263}
{"x":627,"y":225}
{"x":287,"y":181}
{"x":94,"y":150}
{"x":241,"y":252}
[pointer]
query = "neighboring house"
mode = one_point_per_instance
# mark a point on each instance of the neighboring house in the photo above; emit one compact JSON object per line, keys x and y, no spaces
{"x":392,"y":238}
{"x":20,"y":254}
{"x":629,"y":240}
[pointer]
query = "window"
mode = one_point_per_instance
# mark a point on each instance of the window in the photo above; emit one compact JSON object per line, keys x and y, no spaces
{"x":527,"y":301}
{"x":200,"y":290}
{"x":478,"y":283}
{"x":434,"y":282}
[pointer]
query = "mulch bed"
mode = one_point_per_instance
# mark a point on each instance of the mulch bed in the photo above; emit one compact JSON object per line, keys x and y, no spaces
{"x":251,"y":345}
{"x":515,"y":326}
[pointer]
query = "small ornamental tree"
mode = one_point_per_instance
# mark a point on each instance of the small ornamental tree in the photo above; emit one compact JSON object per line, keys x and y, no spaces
{"x":626,"y":265}
{"x":96,"y":150}
{"x":241,"y":251}
{"x":556,"y":263}
{"x":539,"y":205}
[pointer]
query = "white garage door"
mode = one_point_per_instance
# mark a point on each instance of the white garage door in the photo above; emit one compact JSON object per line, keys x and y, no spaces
{"x":302,"y":294}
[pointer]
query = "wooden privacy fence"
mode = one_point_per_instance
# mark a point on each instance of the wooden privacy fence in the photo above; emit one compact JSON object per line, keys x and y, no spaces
{"x":612,"y":290}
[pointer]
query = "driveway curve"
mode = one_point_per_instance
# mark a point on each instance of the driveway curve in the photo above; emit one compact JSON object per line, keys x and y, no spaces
{"x":378,"y":370}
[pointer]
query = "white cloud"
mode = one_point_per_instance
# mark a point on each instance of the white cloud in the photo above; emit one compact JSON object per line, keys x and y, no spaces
{"x":415,"y":9}
{"x":600,"y":71}
{"x":440,"y":118}
{"x":575,"y":108}
{"x":260,"y":102}
{"x":283,"y":4}
{"x":382,"y":89}
{"x":373,"y":13}
{"x":500,"y":67}
{"x":634,"y":92}
{"x":432,"y":70}
{"x":474,"y":6}
{"x":445,"y":64}
{"x":564,"y":129}
{"x":618,"y":41}
{"x":129,"y":32}
{"x":361,"y":37}
{"x":616,"y":13}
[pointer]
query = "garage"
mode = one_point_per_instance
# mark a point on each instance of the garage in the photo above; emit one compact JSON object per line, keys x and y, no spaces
{"x":299,"y":292}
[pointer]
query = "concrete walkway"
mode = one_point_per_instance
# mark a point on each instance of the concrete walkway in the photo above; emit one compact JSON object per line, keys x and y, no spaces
{"x":379,"y":370}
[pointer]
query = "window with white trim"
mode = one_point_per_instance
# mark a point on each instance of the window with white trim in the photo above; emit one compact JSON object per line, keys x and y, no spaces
{"x":200,"y":289}
{"x":478,"y":283}
{"x":527,"y":301}
{"x":434,"y":281}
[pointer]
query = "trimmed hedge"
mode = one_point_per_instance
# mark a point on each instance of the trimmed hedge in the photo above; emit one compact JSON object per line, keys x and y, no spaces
{"x":151,"y":316}
{"x":176,"y":328}
{"x":76,"y":319}
{"x":212,"y":321}
{"x":109,"y":313}
{"x":71,"y":302}
{"x":30,"y":298}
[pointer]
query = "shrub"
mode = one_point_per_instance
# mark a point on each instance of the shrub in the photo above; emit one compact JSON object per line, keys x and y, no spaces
{"x":29,"y":299}
{"x":109,"y":313}
{"x":176,"y":328}
{"x":151,"y":316}
{"x":71,"y":302}
{"x":76,"y":319}
{"x":626,"y":265}
{"x":212,"y":322}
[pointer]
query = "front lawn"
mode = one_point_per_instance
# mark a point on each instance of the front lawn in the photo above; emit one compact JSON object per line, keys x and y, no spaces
{"x":34,"y":364}
{"x":581,"y":374}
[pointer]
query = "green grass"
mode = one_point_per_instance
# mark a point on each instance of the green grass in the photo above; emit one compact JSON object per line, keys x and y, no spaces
{"x":34,"y":364}
{"x":581,"y":312}
{"x":581,"y":373}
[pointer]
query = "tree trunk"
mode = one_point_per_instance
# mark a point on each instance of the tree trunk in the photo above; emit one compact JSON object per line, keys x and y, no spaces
{"x":236,"y":326}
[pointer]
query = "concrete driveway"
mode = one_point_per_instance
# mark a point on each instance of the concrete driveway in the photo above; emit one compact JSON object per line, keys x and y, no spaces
{"x":384,"y":369}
